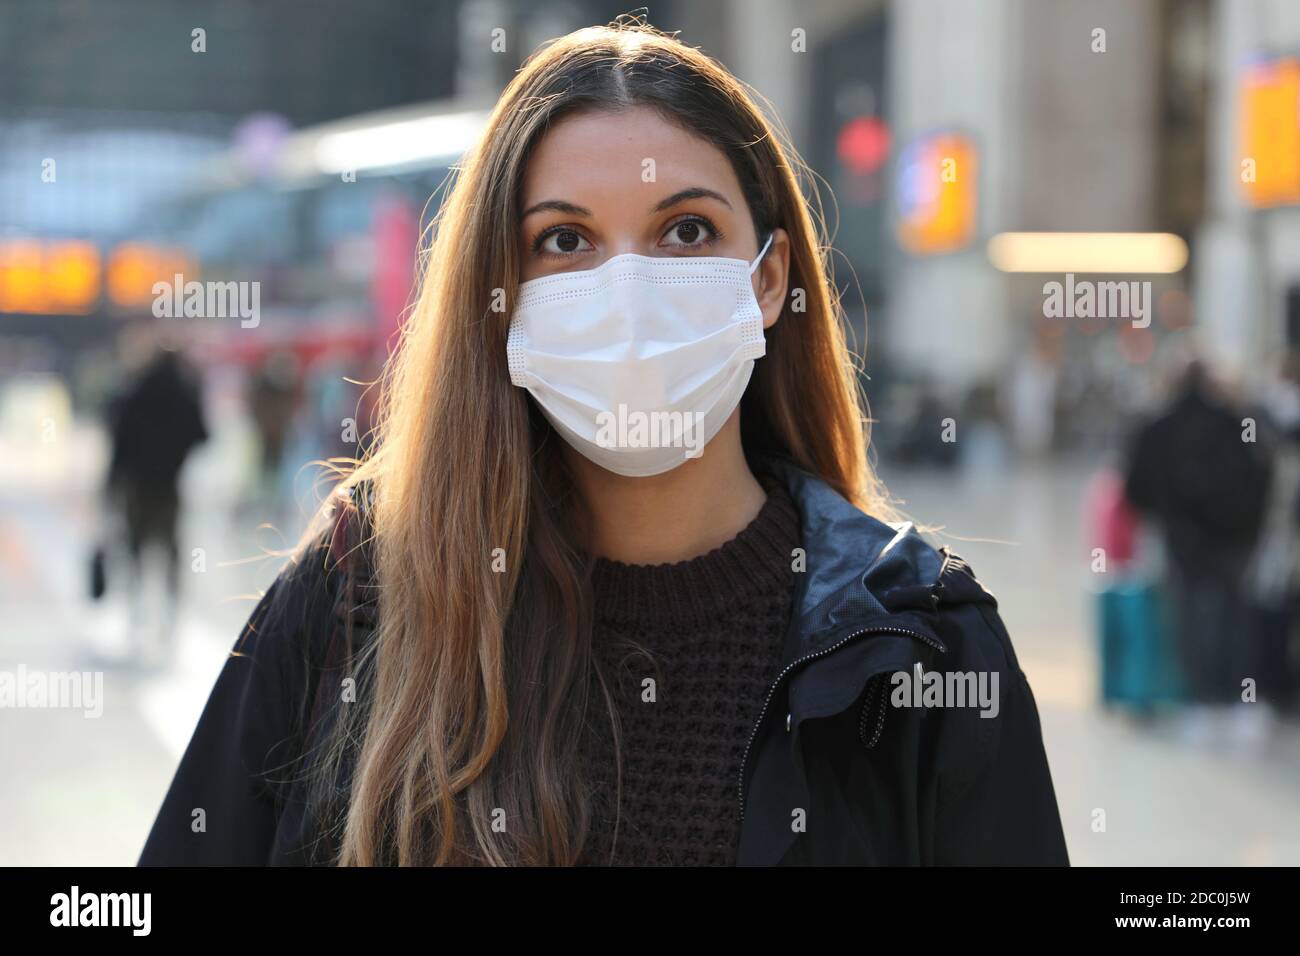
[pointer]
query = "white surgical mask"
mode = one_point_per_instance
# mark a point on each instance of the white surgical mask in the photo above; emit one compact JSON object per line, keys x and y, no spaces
{"x":639,"y":362}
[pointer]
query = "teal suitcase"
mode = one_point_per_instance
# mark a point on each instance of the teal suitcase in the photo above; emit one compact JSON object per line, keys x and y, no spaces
{"x":1139,"y":669}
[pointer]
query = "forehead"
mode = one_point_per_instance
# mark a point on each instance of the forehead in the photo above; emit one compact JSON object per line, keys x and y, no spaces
{"x":607,"y":154}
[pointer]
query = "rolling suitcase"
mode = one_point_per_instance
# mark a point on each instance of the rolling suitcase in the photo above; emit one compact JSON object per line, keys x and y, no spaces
{"x":1139,"y":669}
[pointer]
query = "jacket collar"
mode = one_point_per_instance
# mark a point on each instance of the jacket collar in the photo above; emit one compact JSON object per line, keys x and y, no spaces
{"x":868,"y":604}
{"x":860,"y":572}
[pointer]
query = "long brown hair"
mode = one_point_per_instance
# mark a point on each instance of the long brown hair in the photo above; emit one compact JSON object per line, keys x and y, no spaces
{"x":475,"y":686}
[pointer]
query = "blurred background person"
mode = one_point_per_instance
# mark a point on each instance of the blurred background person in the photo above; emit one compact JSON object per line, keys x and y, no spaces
{"x":1191,"y":471}
{"x":274,"y":395}
{"x":1274,"y":573}
{"x":154,"y":424}
{"x":1032,"y":395}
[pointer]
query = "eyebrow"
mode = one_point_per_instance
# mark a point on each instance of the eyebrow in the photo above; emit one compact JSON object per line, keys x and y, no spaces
{"x":682,"y":195}
{"x":558,"y":205}
{"x":694,"y":192}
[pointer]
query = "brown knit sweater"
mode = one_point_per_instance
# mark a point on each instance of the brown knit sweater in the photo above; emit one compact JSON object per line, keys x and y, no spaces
{"x":713,"y":628}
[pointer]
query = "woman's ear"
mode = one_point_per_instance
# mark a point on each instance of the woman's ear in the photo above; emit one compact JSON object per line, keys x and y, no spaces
{"x":772,"y":277}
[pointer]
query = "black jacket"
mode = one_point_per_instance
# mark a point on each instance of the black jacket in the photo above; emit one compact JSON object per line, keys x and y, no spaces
{"x":1211,"y":516}
{"x":834,"y":773}
{"x":154,"y":425}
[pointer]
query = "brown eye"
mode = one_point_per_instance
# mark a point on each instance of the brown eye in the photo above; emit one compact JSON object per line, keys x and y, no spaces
{"x":562,"y":242}
{"x":693,"y":232}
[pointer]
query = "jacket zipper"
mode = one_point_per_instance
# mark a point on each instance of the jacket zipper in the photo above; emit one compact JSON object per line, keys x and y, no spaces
{"x":776,"y":684}
{"x":880,"y":713}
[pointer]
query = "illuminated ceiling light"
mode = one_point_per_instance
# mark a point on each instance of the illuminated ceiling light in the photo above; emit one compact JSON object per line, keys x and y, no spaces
{"x":398,"y":143}
{"x":1103,"y":252}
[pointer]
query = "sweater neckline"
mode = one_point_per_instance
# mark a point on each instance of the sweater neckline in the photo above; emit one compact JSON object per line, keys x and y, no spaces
{"x":754,"y":563}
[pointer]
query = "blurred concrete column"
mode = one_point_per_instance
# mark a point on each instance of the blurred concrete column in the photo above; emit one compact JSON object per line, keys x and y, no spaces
{"x":1065,"y":139}
{"x":953,"y":66}
{"x":761,"y":54}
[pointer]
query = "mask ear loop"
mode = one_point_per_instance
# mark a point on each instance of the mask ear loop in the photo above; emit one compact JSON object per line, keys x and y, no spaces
{"x":762,"y":252}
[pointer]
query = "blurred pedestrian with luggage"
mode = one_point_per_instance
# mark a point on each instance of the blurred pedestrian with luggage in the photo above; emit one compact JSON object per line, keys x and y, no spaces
{"x":1196,"y":471}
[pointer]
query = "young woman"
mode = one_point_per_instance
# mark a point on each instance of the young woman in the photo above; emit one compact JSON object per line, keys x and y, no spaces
{"x":616,"y":584}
